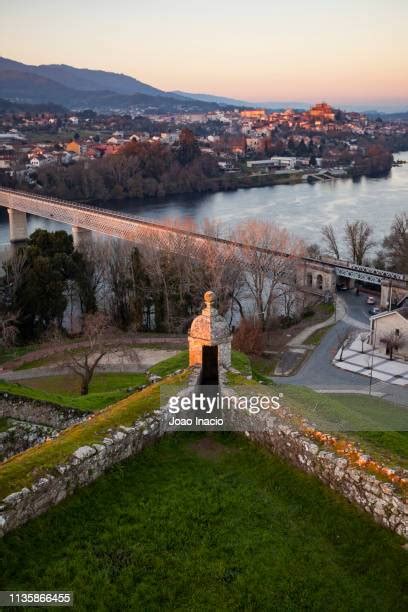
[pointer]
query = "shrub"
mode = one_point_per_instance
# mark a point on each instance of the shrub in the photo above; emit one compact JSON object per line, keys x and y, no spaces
{"x":249,"y":338}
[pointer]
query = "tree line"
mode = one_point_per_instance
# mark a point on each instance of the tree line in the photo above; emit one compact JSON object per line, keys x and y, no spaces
{"x":357,"y":244}
{"x":140,"y":170}
{"x":155,"y":286}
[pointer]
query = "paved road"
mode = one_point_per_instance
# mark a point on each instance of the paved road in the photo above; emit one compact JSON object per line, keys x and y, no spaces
{"x":319,"y":374}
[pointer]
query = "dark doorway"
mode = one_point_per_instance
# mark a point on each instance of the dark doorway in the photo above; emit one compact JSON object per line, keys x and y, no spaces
{"x":209,"y":370}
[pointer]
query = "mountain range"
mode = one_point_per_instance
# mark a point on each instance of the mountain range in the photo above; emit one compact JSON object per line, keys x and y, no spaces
{"x":79,"y":88}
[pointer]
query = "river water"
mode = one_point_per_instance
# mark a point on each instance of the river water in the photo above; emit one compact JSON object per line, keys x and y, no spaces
{"x":301,"y":208}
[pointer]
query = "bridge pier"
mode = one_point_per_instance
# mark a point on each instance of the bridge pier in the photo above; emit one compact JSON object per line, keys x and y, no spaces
{"x":80,"y":236}
{"x":17,"y":226}
{"x":315,"y":276}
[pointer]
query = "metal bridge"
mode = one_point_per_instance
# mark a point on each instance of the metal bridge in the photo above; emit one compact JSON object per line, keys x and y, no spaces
{"x":134,"y":229}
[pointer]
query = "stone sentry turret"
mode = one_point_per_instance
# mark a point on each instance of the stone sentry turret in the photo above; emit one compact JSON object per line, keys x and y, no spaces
{"x":209,"y":338}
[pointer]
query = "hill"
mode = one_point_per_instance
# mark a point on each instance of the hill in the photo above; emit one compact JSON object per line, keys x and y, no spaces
{"x":28,"y":85}
{"x":83,"y":79}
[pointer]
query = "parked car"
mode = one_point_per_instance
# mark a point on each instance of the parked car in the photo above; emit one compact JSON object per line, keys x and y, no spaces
{"x":374,"y":310}
{"x":370,"y":300}
{"x":342,"y":287}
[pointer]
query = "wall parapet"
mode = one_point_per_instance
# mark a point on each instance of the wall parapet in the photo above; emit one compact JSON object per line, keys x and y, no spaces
{"x":380,"y":499}
{"x":39,"y":412}
{"x":84,"y":466}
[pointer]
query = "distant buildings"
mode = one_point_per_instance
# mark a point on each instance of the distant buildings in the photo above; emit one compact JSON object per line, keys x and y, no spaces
{"x":259,"y":113}
{"x":322,"y":111}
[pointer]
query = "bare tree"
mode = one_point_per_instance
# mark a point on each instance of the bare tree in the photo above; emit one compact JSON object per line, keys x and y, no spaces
{"x":396,"y":244}
{"x":330,"y":240}
{"x":364,"y":339}
{"x":119,"y":282}
{"x":343,"y":341}
{"x":393,"y":340}
{"x":84,"y":362}
{"x":271,"y":267}
{"x":92,"y":281}
{"x":358,"y":238}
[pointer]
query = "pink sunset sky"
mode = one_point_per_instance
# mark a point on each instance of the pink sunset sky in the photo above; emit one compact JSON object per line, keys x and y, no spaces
{"x":348,"y":52}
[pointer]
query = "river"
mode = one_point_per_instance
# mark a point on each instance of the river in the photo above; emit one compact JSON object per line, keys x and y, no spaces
{"x":301,"y":208}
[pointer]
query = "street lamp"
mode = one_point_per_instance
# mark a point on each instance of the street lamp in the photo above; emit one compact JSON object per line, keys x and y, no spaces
{"x":372,"y":360}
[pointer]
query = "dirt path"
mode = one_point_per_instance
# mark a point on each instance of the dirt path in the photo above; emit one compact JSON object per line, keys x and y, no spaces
{"x":47,"y":350}
{"x":142,"y":359}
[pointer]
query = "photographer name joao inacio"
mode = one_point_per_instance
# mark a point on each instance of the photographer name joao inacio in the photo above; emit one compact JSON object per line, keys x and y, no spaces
{"x":207,"y":403}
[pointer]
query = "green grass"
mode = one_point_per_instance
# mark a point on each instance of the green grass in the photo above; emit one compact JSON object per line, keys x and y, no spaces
{"x":262,"y":366}
{"x":327,"y":309}
{"x":22,"y":469}
{"x":49,"y":360}
{"x":69,"y":384}
{"x":170,"y":365}
{"x":63,"y":356}
{"x":9,"y":354}
{"x":180,"y":361}
{"x":318,"y":335}
{"x":105,"y":389}
{"x":234,"y":529}
{"x":241,"y":362}
{"x":379,"y":427}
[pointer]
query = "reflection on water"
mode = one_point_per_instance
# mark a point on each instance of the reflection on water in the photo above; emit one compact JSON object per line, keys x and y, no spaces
{"x":301,"y":208}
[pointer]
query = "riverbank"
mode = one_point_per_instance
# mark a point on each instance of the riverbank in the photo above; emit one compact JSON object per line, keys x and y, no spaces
{"x":299,"y":206}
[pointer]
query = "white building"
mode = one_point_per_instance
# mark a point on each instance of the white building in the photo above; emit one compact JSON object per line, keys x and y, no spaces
{"x":273,"y":163}
{"x":386,"y":325}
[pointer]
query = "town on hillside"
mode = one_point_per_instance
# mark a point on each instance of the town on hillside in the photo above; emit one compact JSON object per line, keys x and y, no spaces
{"x":321,"y":143}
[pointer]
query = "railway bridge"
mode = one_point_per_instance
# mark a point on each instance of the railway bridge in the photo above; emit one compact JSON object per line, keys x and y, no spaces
{"x":319,"y":276}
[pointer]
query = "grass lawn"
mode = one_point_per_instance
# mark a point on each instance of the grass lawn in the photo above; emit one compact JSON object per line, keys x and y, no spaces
{"x":8,"y":354}
{"x":379,"y":427}
{"x":62,"y":356}
{"x":318,"y":335}
{"x":170,"y":365}
{"x":22,"y":469}
{"x":208,"y":523}
{"x":180,"y":361}
{"x":69,"y":384}
{"x":264,"y":366}
{"x":105,"y":389}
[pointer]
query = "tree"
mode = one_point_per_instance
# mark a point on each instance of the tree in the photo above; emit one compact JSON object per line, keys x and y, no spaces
{"x":343,"y":339}
{"x":358,"y":238}
{"x":38,"y":281}
{"x":396,"y":244}
{"x":249,"y":337}
{"x":119,"y":282}
{"x":270,"y":269}
{"x":313,"y":250}
{"x":84,"y":363}
{"x":393,"y":340}
{"x":330,"y":240}
{"x":188,"y":147}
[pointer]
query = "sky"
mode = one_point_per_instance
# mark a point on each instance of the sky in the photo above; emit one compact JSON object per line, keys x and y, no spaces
{"x":344,"y":52}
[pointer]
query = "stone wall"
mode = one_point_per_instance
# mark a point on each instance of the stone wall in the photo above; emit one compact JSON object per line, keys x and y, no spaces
{"x":42,"y":413}
{"x":380,"y":499}
{"x":85,"y":465}
{"x":22,"y":435}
